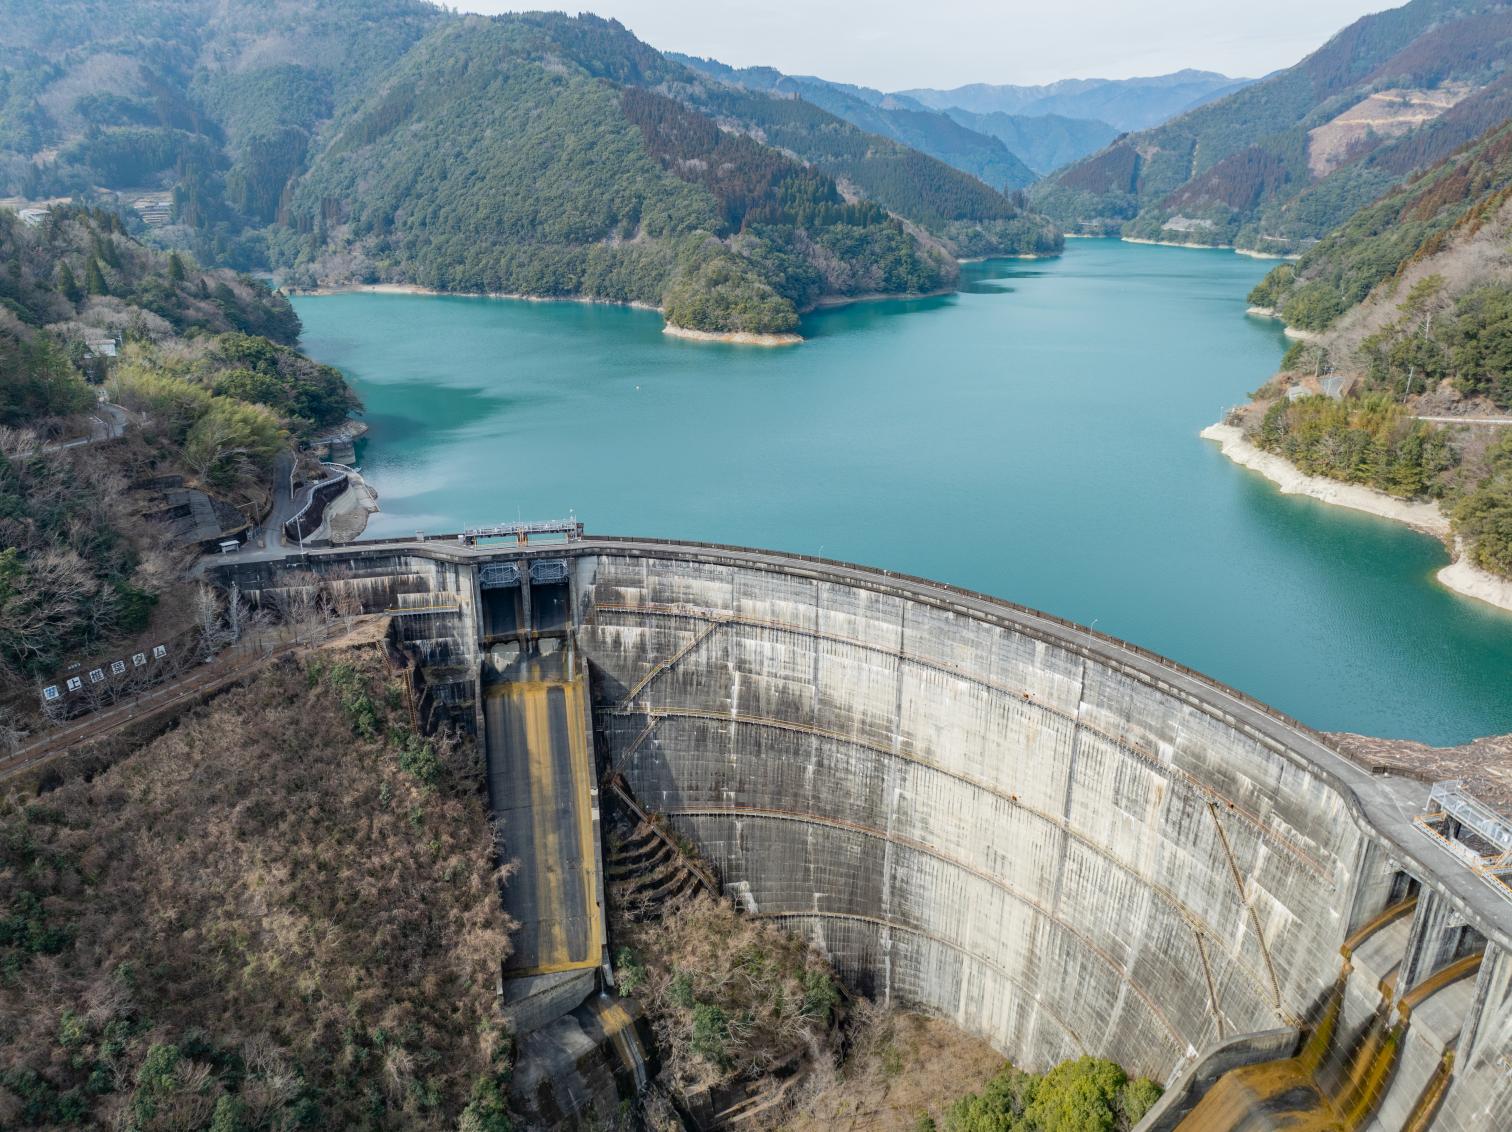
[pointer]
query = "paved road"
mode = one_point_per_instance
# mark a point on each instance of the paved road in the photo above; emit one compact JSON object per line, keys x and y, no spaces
{"x":270,"y":536}
{"x":107,"y":422}
{"x":269,"y":540}
{"x":1468,"y":420}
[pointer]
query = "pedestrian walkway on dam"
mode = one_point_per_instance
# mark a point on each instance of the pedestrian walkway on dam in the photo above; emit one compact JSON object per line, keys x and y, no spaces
{"x":541,"y":792}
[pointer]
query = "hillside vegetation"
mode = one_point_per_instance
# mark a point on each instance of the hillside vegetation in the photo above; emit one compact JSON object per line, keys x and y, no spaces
{"x":212,"y":393}
{"x":1411,"y":304}
{"x":344,"y":142}
{"x":215,"y":104}
{"x":1452,"y":200}
{"x":1279,"y":163}
{"x":607,"y":174}
{"x":281,"y":914}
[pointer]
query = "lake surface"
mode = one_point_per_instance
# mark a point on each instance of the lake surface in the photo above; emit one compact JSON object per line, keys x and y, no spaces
{"x":1034,"y":437}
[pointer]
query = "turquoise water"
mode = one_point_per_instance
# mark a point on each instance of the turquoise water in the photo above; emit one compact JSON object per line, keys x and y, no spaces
{"x":1034,"y":437}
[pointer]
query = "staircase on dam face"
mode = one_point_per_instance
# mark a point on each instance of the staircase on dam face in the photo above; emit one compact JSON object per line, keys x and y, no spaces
{"x":1376,"y":1056}
{"x":648,"y":877}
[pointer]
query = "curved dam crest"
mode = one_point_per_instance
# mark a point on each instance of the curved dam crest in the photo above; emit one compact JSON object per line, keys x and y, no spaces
{"x":1065,"y":844}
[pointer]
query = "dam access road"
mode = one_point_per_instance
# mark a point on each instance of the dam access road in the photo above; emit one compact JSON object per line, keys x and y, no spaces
{"x":1065,"y":843}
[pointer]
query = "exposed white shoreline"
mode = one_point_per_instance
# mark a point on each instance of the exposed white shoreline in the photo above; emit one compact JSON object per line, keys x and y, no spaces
{"x":1461,"y":575}
{"x":1178,"y":244}
{"x":1250,"y":252}
{"x":413,"y":289}
{"x":738,"y":337}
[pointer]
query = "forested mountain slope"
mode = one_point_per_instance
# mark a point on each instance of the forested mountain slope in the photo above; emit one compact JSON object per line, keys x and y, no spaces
{"x":539,"y":154}
{"x":216,"y":103}
{"x":1367,"y":255}
{"x":1411,"y":302}
{"x":928,"y":131}
{"x":354,"y":141}
{"x":1275,"y":165}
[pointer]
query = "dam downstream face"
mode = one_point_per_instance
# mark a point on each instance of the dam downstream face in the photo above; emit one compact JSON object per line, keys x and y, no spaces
{"x":970,"y":818}
{"x":1035,"y":438}
{"x":1064,"y":845}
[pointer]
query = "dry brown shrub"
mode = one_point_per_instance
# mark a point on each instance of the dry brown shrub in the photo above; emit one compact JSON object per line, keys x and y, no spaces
{"x":262,"y":887}
{"x":900,"y":1066}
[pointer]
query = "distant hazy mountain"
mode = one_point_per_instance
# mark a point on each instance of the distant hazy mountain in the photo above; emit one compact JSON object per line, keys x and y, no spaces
{"x":1128,"y":104}
{"x":1274,"y":166}
{"x":929,"y":131}
{"x":1044,"y":143}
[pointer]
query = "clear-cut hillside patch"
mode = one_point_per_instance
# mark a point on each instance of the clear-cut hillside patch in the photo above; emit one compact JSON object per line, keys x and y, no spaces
{"x":1384,"y":114}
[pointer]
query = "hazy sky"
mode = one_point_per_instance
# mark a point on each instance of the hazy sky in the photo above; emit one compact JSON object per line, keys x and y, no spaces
{"x":895,"y":44}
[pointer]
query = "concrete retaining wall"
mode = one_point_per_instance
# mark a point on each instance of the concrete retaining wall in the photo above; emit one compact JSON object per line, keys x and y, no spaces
{"x":307,"y":520}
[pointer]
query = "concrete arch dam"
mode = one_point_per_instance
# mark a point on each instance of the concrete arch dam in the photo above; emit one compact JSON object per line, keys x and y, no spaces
{"x":1064,"y":843}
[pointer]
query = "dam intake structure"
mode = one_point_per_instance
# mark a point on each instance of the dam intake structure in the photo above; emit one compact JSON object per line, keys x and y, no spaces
{"x":1063,"y":843}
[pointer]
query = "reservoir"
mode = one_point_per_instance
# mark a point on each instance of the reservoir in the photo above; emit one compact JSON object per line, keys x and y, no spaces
{"x":1033,"y":437}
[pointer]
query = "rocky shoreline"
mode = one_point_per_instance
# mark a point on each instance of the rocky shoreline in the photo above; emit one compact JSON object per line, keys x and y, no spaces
{"x":1461,"y":576}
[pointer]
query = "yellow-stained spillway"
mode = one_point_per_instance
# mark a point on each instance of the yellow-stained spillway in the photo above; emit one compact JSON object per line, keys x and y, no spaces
{"x":540,"y":784}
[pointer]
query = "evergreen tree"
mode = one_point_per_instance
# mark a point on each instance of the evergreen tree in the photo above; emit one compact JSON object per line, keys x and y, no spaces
{"x":175,"y":267}
{"x":105,"y":250}
{"x":68,"y":286}
{"x":94,"y":278}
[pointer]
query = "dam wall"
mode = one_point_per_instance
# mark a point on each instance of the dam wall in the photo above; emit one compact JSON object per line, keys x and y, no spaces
{"x":1063,"y":843}
{"x":1046,"y":847}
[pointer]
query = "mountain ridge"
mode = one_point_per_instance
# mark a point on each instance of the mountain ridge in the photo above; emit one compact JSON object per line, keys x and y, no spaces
{"x":1408,"y":309}
{"x":1278,"y":163}
{"x":1126,"y":104}
{"x":613,"y":172}
{"x":929,"y":131}
{"x":288,"y":137}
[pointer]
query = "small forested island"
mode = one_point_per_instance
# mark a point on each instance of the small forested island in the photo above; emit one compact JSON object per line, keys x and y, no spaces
{"x":1400,"y":381}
